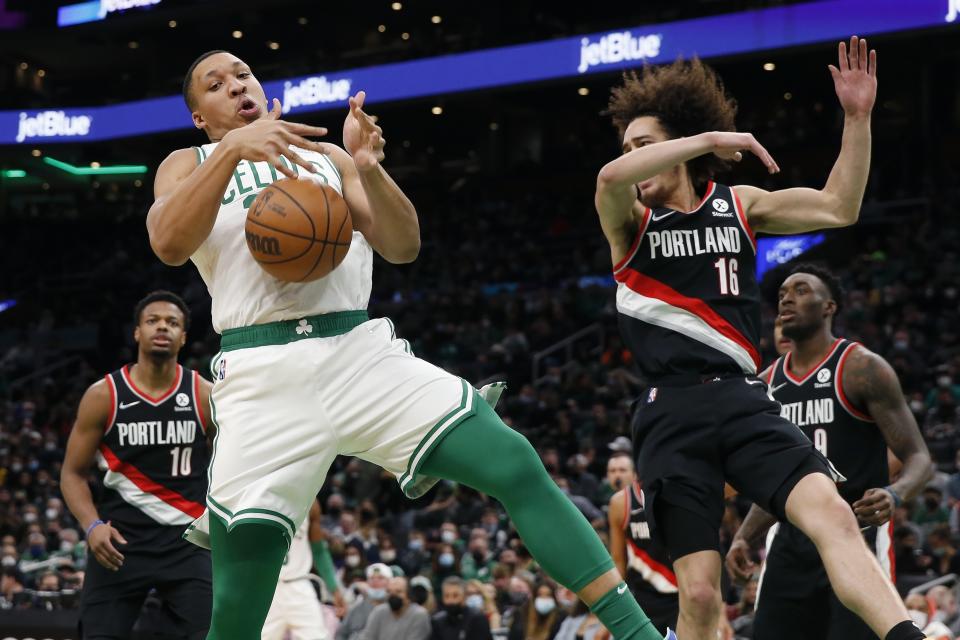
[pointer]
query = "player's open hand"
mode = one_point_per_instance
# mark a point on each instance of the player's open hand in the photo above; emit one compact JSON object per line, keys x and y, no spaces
{"x":738,"y":561}
{"x":362,"y":138}
{"x":856,"y":79}
{"x":269,"y":138}
{"x":729,"y":145}
{"x":875,"y":507}
{"x":100,"y":543}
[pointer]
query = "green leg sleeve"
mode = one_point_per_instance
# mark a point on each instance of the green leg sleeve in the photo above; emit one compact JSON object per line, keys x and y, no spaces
{"x":489,"y":456}
{"x":246,"y":567}
{"x":484,"y":453}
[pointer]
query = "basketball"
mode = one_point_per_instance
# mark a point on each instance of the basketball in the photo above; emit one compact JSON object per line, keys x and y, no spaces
{"x":299,"y":230}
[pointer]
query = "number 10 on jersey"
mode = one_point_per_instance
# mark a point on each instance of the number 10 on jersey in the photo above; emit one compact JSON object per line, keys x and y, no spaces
{"x":181,"y":461}
{"x":727,"y":270}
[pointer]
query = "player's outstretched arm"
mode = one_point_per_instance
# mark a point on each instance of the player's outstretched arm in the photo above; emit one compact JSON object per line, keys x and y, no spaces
{"x":82,"y":445}
{"x":616,"y":514}
{"x":616,"y":183}
{"x":870,"y":383}
{"x":379,"y":208}
{"x":738,"y":561}
{"x":187,"y":196}
{"x":838,"y":203}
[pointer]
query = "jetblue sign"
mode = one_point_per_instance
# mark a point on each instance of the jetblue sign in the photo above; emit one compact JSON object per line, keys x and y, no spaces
{"x":97,"y":10}
{"x":759,"y":30}
{"x":780,"y":250}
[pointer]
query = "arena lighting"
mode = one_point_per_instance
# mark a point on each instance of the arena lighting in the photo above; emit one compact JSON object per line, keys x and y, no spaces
{"x":743,"y":32}
{"x":117,"y":169}
{"x":97,"y":10}
{"x":6,"y":304}
{"x":14,"y":173}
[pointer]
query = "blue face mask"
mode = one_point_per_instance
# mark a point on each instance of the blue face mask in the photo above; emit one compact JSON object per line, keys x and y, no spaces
{"x":416,"y":544}
{"x":475,"y":601}
{"x":446,"y":559}
{"x":377,"y":594}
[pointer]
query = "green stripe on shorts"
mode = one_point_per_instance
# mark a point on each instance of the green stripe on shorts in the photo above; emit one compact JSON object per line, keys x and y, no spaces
{"x":286,"y":331}
{"x":464,"y":410}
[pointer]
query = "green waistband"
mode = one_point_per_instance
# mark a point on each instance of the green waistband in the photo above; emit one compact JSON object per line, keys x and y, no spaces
{"x":323,"y":326}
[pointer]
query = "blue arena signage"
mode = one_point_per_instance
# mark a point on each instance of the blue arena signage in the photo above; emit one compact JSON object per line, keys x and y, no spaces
{"x":782,"y":249}
{"x":729,"y":34}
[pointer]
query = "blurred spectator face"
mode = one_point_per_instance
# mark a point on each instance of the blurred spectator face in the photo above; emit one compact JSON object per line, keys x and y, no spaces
{"x":551,"y":460}
{"x":479,"y":544}
{"x":348,"y":523}
{"x":749,"y":598}
{"x":352,"y":558}
{"x":932,"y":498}
{"x":619,"y":472}
{"x":49,"y":582}
{"x":416,"y":542}
{"x":446,"y":557}
{"x":9,"y":583}
{"x":945,"y":600}
{"x":397,"y":589}
{"x":378,"y":581}
{"x":508,"y":557}
{"x":490,"y":521}
{"x":453,"y":595}
{"x":780,"y":342}
{"x":566,"y":598}
{"x":368,"y":513}
{"x":37,"y":544}
{"x":334,"y":505}
{"x":545,"y":602}
{"x":30,"y":514}
{"x":519,"y":590}
{"x":448,"y":532}
{"x":901,"y":340}
{"x":388,"y":553}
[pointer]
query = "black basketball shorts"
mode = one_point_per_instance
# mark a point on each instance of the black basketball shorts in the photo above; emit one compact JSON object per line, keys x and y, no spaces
{"x":690,"y":439}
{"x":112,"y":601}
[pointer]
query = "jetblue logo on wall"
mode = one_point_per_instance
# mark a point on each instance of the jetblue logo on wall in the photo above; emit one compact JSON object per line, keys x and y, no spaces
{"x":953,"y":9}
{"x":616,"y":47}
{"x":109,"y":6}
{"x":314,"y":90}
{"x":52,"y":124}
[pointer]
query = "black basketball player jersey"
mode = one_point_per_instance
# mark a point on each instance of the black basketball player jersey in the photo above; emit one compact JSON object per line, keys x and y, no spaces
{"x":687,"y":292}
{"x":154,"y":456}
{"x":648,"y":565}
{"x":816,"y":403}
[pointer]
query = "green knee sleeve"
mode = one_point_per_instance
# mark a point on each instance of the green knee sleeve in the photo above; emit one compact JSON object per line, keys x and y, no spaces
{"x":246,"y":567}
{"x":484,"y":453}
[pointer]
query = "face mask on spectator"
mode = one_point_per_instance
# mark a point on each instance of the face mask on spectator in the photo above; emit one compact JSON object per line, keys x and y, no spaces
{"x":51,"y":514}
{"x":454,"y":609}
{"x":16,"y":467}
{"x":388,"y":555}
{"x":36,"y":550}
{"x":931,"y":503}
{"x":944,"y":381}
{"x":448,"y":536}
{"x":544,"y":605}
{"x":334,"y":512}
{"x":30,"y":517}
{"x":446,"y":559}
{"x":518,"y":597}
{"x":416,"y":544}
{"x":50,"y":446}
{"x":377,"y":594}
{"x":33,"y":465}
{"x":8,"y":561}
{"x":916,"y":406}
{"x":66,"y":546}
{"x":352,"y":560}
{"x":475,"y":601}
{"x":395,"y":602}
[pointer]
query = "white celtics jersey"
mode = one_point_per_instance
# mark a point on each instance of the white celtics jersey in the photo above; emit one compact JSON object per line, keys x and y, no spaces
{"x":299,"y":559}
{"x":244,"y":294}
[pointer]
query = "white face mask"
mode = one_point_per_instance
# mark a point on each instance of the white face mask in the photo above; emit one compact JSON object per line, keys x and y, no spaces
{"x":448,"y":536}
{"x":51,"y":514}
{"x":475,"y":601}
{"x":544,"y":605}
{"x":388,"y":555}
{"x":353,"y":561}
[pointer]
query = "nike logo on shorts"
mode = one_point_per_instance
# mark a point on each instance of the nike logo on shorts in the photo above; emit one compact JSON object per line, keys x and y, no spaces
{"x":127,"y":405}
{"x":622,"y":589}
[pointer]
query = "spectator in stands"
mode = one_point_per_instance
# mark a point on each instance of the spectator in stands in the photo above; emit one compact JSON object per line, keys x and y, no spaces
{"x":446,"y":563}
{"x":48,"y":581}
{"x":580,"y":624}
{"x":421,"y":593}
{"x":11,"y":584}
{"x":456,"y":621}
{"x":416,"y":555}
{"x":398,"y":617}
{"x":945,"y":600}
{"x":931,"y":511}
{"x":910,"y":556}
{"x":539,"y":618}
{"x":921,"y":610}
{"x":478,"y":561}
{"x":482,"y":597}
{"x":375,"y":593}
{"x":953,"y":484}
{"x":619,"y":472}
{"x":944,"y":551}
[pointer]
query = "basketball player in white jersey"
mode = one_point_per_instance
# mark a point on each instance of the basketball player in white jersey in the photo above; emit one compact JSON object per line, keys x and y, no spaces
{"x":304,"y":374}
{"x":295,"y":605}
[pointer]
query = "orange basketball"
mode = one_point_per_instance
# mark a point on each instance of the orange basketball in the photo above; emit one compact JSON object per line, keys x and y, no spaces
{"x":299,"y":230}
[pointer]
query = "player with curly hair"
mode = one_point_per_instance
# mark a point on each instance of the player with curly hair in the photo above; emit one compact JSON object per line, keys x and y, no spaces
{"x":688,"y":301}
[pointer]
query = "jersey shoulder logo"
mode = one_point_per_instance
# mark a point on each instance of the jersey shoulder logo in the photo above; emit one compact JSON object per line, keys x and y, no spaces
{"x":823,"y":375}
{"x":720,"y":204}
{"x":182,"y":399}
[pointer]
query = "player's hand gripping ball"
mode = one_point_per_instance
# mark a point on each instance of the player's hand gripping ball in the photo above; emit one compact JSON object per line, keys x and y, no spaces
{"x":299,"y":230}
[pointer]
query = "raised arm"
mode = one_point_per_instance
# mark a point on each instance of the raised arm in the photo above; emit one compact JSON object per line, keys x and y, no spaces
{"x":616,"y":192}
{"x":379,"y":208}
{"x":871,"y":384}
{"x":616,"y":513}
{"x":838,"y":203}
{"x":93,"y":414}
{"x":187,"y":196}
